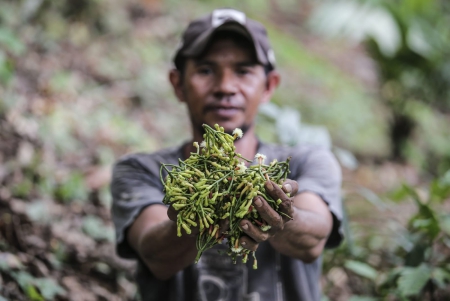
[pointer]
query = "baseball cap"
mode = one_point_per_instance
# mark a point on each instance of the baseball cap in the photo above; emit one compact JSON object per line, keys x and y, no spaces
{"x":199,"y":32}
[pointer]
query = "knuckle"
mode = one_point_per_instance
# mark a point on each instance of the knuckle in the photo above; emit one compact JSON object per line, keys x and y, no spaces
{"x":261,"y":237}
{"x":277,"y":220}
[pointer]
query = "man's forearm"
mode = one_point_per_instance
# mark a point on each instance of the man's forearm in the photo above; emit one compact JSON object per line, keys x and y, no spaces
{"x":158,"y":245}
{"x":164,"y":252}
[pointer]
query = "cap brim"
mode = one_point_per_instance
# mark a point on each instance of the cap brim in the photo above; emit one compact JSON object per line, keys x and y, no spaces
{"x":198,"y":46}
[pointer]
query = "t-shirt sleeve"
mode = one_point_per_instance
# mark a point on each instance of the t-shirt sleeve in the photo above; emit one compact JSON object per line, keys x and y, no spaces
{"x":320,"y":173}
{"x":134,"y":186}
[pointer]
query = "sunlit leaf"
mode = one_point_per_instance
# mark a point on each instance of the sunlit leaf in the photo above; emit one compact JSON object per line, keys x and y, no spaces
{"x":361,"y":269}
{"x":288,"y":126}
{"x":314,"y":135}
{"x":356,"y":22}
{"x":346,"y":158}
{"x":372,"y":197}
{"x":32,"y":293}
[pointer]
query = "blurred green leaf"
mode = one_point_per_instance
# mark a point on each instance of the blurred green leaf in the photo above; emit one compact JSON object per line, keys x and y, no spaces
{"x":439,"y":191}
{"x":26,"y":282}
{"x":441,"y":277}
{"x":38,"y":211}
{"x":426,"y":221}
{"x":9,"y":262}
{"x":23,"y":189}
{"x":445,"y":223}
{"x":6,"y":69}
{"x":372,"y":197}
{"x":95,"y":228}
{"x":74,"y":188}
{"x":411,"y":192}
{"x":361,"y":269}
{"x":11,"y":41}
{"x":362,"y":298}
{"x":49,"y":288}
{"x":399,"y":194}
{"x":412,"y":280}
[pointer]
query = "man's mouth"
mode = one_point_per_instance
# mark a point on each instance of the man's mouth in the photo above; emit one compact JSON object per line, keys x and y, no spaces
{"x":224,"y":111}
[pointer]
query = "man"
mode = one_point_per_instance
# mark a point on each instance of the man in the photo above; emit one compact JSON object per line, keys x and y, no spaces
{"x":225,"y":69}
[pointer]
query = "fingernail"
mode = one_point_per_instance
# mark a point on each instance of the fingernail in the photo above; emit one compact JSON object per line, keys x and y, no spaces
{"x":269,"y":186}
{"x":244,"y":226}
{"x":243,"y":243}
{"x":257,"y":202}
{"x":287,"y":187}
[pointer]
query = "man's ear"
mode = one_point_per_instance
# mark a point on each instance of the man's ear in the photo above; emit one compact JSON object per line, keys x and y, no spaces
{"x":272,"y":82}
{"x":176,"y":81}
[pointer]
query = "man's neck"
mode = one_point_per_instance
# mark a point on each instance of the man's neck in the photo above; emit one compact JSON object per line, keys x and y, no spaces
{"x":247,"y":146}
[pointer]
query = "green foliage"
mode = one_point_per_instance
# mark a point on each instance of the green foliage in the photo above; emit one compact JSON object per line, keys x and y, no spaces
{"x":417,"y":264}
{"x":412,"y":280}
{"x":73,"y":188}
{"x":95,"y":228}
{"x":23,"y":188}
{"x":409,"y":42}
{"x":38,"y":289}
{"x":361,"y":269}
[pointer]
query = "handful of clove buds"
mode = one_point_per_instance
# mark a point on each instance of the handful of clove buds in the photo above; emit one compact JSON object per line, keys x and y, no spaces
{"x":215,"y":184}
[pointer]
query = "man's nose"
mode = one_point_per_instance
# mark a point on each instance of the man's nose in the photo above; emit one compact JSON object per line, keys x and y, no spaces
{"x":226,"y":84}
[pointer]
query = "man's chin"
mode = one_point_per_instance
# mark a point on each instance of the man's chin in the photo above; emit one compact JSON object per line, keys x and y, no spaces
{"x":228,"y":126}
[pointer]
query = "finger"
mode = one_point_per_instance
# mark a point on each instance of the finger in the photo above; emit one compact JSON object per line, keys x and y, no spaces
{"x":172,"y":213}
{"x":248,"y":243}
{"x":268,"y":214}
{"x":290,"y":186}
{"x":286,"y":202}
{"x":253,"y":232}
{"x":275,"y":191}
{"x":224,"y":226}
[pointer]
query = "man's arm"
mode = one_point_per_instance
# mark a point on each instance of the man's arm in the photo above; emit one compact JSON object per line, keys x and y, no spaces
{"x":304,"y":236}
{"x":154,"y":237}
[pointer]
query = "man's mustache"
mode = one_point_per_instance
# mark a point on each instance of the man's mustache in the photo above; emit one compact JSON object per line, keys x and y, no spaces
{"x":209,"y":108}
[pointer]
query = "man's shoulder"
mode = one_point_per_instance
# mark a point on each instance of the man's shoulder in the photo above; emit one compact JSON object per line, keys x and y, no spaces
{"x":151,"y":159}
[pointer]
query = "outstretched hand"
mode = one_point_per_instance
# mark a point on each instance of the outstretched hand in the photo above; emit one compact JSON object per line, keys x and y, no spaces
{"x":254,"y":234}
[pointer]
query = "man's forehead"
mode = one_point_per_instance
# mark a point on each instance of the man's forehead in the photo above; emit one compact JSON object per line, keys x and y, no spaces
{"x":229,"y":46}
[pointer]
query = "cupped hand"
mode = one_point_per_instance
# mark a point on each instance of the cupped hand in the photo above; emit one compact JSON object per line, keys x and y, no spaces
{"x":254,"y":234}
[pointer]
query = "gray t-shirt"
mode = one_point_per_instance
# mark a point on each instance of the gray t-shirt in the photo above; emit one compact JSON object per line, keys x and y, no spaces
{"x":136,"y":185}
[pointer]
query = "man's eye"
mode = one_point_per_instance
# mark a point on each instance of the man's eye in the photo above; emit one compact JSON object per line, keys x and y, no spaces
{"x":204,"y":70}
{"x":243,"y":71}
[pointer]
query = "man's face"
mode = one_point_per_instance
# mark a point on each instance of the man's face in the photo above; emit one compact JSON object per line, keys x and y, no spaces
{"x":224,"y":86}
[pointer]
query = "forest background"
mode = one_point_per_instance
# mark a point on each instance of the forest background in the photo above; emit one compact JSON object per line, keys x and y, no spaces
{"x":85,"y":82}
